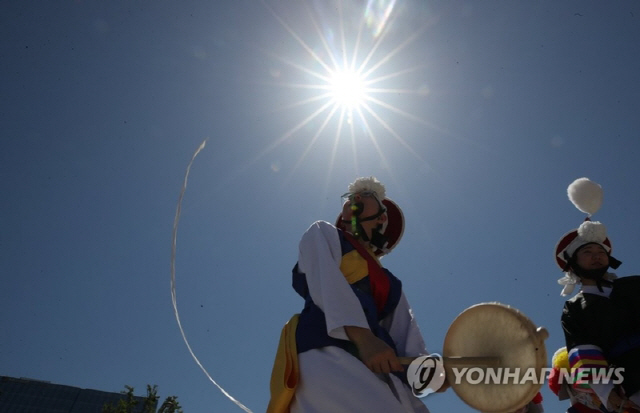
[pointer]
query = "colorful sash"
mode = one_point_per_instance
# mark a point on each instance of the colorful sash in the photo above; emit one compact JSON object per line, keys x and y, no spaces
{"x":285,"y":373}
{"x":380,"y":284}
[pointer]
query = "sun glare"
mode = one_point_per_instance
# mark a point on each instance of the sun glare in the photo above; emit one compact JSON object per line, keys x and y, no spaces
{"x":350,"y":60}
{"x":347,"y":89}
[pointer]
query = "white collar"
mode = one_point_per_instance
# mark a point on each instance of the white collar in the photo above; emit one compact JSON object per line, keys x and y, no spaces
{"x":593,"y":289}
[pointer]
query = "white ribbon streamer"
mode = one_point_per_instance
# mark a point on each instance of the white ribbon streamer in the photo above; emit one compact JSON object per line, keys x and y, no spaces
{"x":173,"y":281}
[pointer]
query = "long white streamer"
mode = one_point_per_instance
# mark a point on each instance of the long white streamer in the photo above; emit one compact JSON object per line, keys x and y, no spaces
{"x":173,"y":280}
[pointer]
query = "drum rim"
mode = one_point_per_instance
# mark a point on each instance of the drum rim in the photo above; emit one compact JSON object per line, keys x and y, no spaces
{"x":540,"y":358}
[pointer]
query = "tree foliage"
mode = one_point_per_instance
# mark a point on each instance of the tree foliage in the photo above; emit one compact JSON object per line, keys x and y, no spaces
{"x":129,"y":404}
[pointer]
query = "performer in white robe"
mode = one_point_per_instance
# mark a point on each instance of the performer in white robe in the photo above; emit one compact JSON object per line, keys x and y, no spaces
{"x":340,"y":354}
{"x":331,"y":379}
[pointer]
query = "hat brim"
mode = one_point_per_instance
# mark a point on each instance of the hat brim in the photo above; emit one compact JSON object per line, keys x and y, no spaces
{"x":566,"y":241}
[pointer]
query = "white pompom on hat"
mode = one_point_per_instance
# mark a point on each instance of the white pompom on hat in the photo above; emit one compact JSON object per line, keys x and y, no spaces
{"x":587,"y":197}
{"x":369,"y":184}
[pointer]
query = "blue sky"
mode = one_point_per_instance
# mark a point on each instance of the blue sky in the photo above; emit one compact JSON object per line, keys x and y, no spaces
{"x":484,"y":112}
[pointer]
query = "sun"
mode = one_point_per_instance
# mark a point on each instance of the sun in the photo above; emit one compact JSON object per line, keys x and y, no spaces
{"x":351,"y":74}
{"x":347,"y":89}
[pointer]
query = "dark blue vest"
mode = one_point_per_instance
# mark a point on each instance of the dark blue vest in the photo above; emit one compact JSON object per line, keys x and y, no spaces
{"x":312,"y":328}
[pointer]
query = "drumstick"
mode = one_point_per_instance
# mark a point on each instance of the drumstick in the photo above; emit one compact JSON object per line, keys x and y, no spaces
{"x":480,"y":361}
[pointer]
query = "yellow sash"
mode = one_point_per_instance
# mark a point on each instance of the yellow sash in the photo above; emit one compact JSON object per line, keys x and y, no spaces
{"x":284,"y":376}
{"x":285,"y":373}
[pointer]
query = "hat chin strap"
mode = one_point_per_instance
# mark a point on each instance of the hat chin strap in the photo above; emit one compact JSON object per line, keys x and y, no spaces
{"x":597,"y":275}
{"x":377,"y":239}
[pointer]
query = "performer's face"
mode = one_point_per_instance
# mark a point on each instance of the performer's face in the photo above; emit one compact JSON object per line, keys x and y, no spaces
{"x":592,"y":257}
{"x":369,"y":208}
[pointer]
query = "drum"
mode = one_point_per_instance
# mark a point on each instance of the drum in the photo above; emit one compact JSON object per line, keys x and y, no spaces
{"x":514,"y":353}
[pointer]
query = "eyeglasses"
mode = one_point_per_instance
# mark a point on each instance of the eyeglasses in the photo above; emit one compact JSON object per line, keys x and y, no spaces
{"x":366,"y":194}
{"x":349,"y":196}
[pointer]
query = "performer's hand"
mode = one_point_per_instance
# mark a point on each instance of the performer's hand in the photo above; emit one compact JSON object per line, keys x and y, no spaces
{"x":616,"y":402}
{"x":374,"y":352}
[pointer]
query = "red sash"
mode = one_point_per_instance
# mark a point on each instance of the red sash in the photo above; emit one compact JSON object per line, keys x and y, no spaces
{"x":379,"y":281}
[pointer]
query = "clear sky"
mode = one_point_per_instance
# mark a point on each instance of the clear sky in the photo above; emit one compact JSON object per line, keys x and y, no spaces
{"x":479,"y":114}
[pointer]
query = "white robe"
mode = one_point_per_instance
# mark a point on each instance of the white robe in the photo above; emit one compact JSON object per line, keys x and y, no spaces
{"x":332,"y":380}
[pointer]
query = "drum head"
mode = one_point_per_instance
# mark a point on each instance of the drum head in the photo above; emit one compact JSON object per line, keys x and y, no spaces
{"x":495,"y":330}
